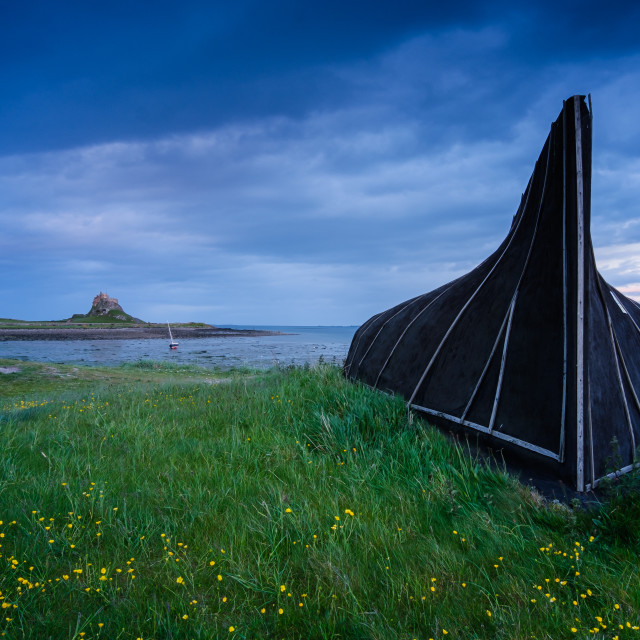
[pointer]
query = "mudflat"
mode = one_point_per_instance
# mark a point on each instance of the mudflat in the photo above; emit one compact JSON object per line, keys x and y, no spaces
{"x":128,"y":333}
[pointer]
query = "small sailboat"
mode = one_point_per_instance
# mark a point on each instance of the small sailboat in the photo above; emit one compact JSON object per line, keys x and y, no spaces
{"x":172,"y":343}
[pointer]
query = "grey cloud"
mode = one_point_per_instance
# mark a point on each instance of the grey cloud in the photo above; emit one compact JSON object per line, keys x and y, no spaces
{"x":408,"y":182}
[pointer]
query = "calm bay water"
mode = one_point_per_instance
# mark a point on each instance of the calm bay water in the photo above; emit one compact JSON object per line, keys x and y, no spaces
{"x":299,"y":346}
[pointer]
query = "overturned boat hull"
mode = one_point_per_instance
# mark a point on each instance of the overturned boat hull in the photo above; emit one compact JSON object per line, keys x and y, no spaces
{"x":532,"y":349}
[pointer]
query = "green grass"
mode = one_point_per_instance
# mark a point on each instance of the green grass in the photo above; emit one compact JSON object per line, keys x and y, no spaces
{"x":113,"y":319}
{"x":113,"y":316}
{"x":52,"y":379}
{"x":283,"y":504}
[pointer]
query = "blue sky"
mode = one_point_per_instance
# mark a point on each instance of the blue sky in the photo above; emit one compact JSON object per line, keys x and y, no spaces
{"x":294,"y":162}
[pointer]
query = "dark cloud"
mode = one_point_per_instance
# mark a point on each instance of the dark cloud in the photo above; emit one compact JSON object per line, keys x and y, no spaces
{"x":77,"y":73}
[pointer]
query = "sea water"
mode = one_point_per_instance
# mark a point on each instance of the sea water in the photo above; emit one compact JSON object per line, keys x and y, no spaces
{"x":295,"y":346}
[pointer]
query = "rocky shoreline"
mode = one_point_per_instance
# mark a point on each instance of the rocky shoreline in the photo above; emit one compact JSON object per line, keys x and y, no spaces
{"x":129,"y":333}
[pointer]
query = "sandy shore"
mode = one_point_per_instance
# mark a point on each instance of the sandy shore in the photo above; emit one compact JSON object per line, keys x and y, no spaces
{"x":128,"y":333}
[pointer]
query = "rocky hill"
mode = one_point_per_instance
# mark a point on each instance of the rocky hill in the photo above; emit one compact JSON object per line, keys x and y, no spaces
{"x":105,"y":309}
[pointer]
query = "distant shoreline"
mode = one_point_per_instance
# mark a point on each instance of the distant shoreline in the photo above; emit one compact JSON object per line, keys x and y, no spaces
{"x":130,"y":333}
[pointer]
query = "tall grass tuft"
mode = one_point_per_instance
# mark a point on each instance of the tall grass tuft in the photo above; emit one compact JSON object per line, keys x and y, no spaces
{"x":286,"y":504}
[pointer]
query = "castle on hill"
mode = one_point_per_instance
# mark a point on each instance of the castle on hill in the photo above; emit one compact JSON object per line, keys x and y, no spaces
{"x":102,"y":304}
{"x":104,"y":298}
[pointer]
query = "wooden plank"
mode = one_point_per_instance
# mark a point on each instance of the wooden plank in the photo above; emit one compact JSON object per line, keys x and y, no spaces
{"x":580,"y":302}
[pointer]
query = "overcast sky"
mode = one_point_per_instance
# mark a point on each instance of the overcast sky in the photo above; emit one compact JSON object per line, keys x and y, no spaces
{"x":290,"y":162}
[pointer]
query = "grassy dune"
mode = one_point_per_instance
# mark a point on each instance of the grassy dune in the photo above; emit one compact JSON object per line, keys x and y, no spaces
{"x":146,"y":502}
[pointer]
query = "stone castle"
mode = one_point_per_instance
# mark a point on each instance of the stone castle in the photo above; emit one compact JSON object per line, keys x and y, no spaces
{"x":102,"y":304}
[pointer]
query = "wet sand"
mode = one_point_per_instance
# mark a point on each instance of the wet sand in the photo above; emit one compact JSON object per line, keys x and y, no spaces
{"x":129,"y":333}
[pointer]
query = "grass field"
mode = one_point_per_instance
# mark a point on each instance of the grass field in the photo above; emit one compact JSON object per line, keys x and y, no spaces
{"x":154,"y":502}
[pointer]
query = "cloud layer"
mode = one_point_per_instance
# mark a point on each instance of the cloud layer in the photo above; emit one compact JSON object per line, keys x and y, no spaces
{"x":322,"y":188}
